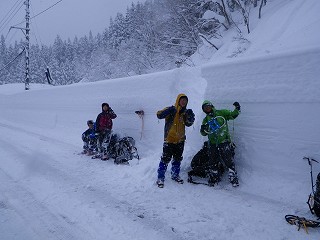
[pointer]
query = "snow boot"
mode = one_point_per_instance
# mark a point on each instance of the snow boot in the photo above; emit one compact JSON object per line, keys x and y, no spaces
{"x":84,"y":152}
{"x":233,"y":178}
{"x":160,"y":183}
{"x":214,"y":178}
{"x":96,"y":156}
{"x":104,"y":157}
{"x":89,"y":153}
{"x":178,"y":179}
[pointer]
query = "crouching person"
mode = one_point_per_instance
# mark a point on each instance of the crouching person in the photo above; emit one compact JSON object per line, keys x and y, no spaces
{"x":176,"y":118}
{"x":215,"y":126}
{"x":89,"y":139}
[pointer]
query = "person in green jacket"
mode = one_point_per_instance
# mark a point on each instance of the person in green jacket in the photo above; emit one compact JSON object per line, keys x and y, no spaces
{"x":221,"y":148}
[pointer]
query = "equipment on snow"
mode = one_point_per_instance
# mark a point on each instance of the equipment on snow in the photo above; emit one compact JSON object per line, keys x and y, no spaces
{"x":301,"y":222}
{"x":124,"y":150}
{"x":314,"y":197}
{"x":313,"y":203}
{"x":202,"y":168}
{"x":121,"y":150}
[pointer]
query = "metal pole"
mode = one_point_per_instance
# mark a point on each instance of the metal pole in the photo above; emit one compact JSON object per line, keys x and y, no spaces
{"x":27,"y":79}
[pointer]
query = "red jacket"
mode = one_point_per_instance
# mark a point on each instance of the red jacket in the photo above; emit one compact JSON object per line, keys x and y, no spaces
{"x":104,"y":120}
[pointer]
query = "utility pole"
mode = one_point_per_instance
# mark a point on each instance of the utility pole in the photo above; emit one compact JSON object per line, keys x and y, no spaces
{"x":27,"y":79}
{"x":26,"y":32}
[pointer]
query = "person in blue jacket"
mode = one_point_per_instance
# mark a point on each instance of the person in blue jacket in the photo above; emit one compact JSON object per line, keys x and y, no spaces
{"x":89,"y":139}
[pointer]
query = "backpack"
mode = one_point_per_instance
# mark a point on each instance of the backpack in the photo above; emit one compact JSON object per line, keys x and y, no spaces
{"x":123,"y":149}
{"x":200,"y":163}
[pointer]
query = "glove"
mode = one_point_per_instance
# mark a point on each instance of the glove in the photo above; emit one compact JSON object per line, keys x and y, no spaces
{"x":167,"y":111}
{"x":182,"y":110}
{"x":204,"y":128}
{"x":190,"y":115}
{"x":237,"y":105}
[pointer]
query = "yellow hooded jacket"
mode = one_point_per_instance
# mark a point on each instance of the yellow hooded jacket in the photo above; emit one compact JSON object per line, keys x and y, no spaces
{"x":175,"y":122}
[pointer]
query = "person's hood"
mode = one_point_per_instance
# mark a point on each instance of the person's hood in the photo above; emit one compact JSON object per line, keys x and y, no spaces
{"x":207,"y":103}
{"x":104,"y":104}
{"x":181,"y":95}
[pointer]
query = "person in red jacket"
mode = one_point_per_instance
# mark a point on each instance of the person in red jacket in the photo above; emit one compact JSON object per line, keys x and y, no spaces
{"x":103,"y":128}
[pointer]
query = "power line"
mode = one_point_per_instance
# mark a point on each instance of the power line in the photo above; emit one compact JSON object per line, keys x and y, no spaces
{"x":9,"y":63}
{"x":40,"y":12}
{"x":11,"y":14}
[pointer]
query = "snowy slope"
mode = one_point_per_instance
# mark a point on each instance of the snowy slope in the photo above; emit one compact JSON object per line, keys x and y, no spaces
{"x":51,"y":192}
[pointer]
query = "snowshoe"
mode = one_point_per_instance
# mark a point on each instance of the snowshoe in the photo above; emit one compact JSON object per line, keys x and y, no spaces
{"x":160,"y":183}
{"x":213,"y":178}
{"x":190,"y":180}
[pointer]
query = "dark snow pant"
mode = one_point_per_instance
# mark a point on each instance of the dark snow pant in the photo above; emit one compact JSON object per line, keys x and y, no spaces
{"x":171,"y":150}
{"x":89,"y":144}
{"x":103,"y":141}
{"x":223,"y":153}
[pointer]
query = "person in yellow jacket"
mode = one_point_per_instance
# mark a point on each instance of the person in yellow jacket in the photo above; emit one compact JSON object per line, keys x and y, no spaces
{"x":176,"y":118}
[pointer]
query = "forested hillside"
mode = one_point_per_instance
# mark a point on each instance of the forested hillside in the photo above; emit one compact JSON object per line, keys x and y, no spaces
{"x":149,"y":37}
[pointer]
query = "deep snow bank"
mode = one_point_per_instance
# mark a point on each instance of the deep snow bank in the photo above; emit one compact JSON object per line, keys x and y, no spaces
{"x":278,"y":125}
{"x":280,"y":97}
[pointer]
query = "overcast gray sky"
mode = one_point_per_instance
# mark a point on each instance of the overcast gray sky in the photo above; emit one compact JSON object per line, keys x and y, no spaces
{"x":67,"y":18}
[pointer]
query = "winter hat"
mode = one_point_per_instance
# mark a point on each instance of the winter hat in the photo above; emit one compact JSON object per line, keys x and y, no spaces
{"x":206,"y":103}
{"x":90,"y":122}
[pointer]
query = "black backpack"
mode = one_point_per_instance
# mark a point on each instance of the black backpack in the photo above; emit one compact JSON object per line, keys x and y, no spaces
{"x":123,"y":149}
{"x":200,"y":163}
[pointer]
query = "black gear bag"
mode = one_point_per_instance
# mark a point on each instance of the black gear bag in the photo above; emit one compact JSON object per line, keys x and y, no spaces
{"x":201,"y":166}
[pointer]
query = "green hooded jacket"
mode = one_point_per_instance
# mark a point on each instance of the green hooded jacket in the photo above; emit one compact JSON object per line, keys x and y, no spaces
{"x":222,"y":116}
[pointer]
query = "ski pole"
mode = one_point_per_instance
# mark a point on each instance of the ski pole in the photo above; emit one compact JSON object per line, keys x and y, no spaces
{"x":310,"y":160}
